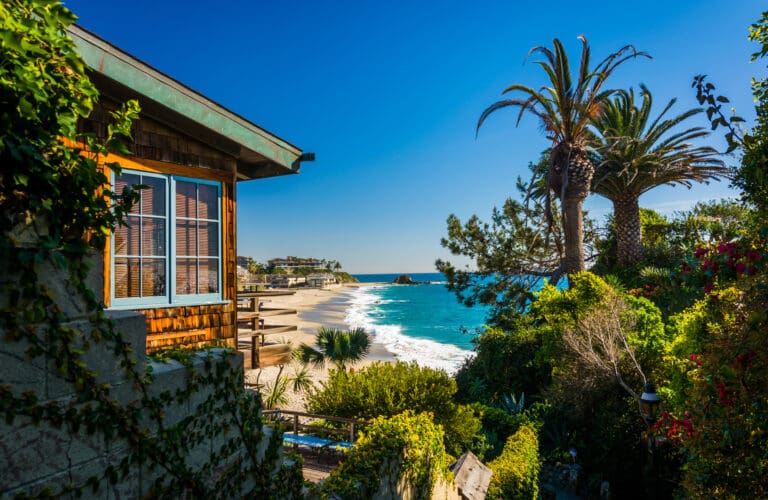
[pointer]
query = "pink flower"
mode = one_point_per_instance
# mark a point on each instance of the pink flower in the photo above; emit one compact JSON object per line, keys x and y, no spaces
{"x":741,"y":267}
{"x":707,"y":287}
{"x":699,"y":252}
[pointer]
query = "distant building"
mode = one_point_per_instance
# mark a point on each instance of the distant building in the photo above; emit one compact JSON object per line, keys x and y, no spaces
{"x":290,"y":264}
{"x":321,"y":280}
{"x":242,"y":261}
{"x":288,"y":280}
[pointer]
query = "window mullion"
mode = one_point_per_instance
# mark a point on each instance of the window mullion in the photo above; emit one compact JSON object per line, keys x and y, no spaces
{"x":197,"y":239}
{"x":171,"y":253}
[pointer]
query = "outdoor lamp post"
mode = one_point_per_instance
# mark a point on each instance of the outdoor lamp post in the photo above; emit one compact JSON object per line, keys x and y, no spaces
{"x":649,"y":404}
{"x":649,"y":407}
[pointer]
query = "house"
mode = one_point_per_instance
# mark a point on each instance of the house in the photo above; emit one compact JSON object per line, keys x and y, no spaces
{"x":290,"y":264}
{"x":176,"y":261}
{"x":288,"y":280}
{"x":321,"y":280}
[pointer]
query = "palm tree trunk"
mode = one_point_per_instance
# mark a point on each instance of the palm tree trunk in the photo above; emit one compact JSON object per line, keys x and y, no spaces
{"x":629,"y":239}
{"x":574,"y":187}
{"x":573,"y":228}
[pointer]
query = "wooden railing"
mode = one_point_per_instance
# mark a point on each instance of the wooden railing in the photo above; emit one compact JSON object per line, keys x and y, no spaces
{"x":354,"y":424}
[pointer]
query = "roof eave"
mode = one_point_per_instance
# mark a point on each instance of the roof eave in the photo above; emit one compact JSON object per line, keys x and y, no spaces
{"x":259,"y":154}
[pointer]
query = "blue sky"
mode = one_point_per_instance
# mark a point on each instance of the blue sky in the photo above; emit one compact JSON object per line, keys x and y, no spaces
{"x":388,"y":94}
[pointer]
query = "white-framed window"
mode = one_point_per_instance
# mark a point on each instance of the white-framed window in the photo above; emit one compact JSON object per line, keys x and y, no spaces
{"x":170,"y":252}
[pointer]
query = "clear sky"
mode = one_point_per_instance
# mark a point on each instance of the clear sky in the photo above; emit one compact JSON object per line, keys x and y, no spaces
{"x":387,"y":94}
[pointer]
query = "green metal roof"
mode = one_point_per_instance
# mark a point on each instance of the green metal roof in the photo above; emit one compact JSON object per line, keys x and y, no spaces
{"x":258,"y":153}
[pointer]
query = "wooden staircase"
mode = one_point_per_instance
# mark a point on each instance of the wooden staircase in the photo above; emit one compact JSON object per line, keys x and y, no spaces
{"x":252,"y":331}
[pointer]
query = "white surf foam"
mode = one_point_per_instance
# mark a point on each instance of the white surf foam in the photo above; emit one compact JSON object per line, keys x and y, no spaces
{"x":425,"y":352}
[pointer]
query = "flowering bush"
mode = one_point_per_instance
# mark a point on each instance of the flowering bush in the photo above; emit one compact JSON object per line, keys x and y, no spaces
{"x":722,"y":362}
{"x":672,"y":428}
{"x":722,"y":263}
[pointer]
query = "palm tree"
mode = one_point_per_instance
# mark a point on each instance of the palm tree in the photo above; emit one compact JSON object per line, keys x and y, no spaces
{"x":566,"y":107}
{"x":637,"y":154}
{"x":337,"y":346}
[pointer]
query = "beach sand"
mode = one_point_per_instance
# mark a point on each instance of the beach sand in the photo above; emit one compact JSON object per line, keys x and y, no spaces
{"x":315,"y":308}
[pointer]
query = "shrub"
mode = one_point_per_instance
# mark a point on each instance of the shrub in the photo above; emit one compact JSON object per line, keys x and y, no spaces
{"x":388,"y":389}
{"x":722,"y":395}
{"x":516,"y":470}
{"x":504,"y":363}
{"x":412,"y":441}
{"x":498,"y":425}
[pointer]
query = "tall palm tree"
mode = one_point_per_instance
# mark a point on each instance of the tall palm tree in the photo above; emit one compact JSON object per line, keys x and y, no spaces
{"x":566,"y":106}
{"x":638,"y":153}
{"x":337,"y":346}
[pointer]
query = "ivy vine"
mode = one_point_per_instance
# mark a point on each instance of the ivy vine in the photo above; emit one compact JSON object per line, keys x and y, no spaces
{"x":56,"y":212}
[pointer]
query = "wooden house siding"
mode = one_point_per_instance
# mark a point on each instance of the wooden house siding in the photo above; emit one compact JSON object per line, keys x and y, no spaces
{"x":161,"y":150}
{"x":190,"y":326}
{"x":155,"y":141}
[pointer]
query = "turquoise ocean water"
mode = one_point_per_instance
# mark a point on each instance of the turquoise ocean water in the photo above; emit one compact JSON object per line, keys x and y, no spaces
{"x":422,"y":323}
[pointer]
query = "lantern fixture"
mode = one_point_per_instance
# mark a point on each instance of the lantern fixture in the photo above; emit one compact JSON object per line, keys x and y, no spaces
{"x":649,"y":404}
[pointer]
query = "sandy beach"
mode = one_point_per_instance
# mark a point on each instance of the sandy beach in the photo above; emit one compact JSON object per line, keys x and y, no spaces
{"x":315,"y":308}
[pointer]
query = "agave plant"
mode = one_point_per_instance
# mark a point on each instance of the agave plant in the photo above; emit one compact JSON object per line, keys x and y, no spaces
{"x":512,"y":405}
{"x":337,"y":346}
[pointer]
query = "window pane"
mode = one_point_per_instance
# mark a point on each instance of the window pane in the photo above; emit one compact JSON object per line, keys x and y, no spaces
{"x":186,"y":276}
{"x":153,"y":198}
{"x":153,"y":237}
{"x":209,"y":276}
{"x":126,"y":278}
{"x":125,"y":181}
{"x":153,"y":277}
{"x":209,"y":239}
{"x":208,"y":201}
{"x":186,"y":195}
{"x":127,"y":238}
{"x":186,"y":237}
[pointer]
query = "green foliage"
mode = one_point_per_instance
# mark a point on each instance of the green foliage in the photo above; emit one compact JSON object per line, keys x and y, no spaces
{"x":564,"y":307}
{"x":510,"y":254}
{"x":337,"y":346}
{"x":498,"y":425}
{"x":408,"y":444}
{"x":54,"y":193}
{"x":653,"y":227}
{"x":504,"y":363}
{"x":45,"y":91}
{"x":345,"y":277}
{"x":560,"y":309}
{"x":722,"y":390}
{"x":649,"y":338}
{"x":516,"y":470}
{"x":387,"y":389}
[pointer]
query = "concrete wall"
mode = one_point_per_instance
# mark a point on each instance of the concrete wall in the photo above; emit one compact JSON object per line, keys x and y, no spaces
{"x":35,"y":457}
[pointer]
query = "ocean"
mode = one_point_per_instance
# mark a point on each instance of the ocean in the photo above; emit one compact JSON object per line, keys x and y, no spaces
{"x":423,"y":323}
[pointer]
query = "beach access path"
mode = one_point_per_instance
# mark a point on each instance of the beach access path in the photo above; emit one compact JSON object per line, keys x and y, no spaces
{"x":314,"y":309}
